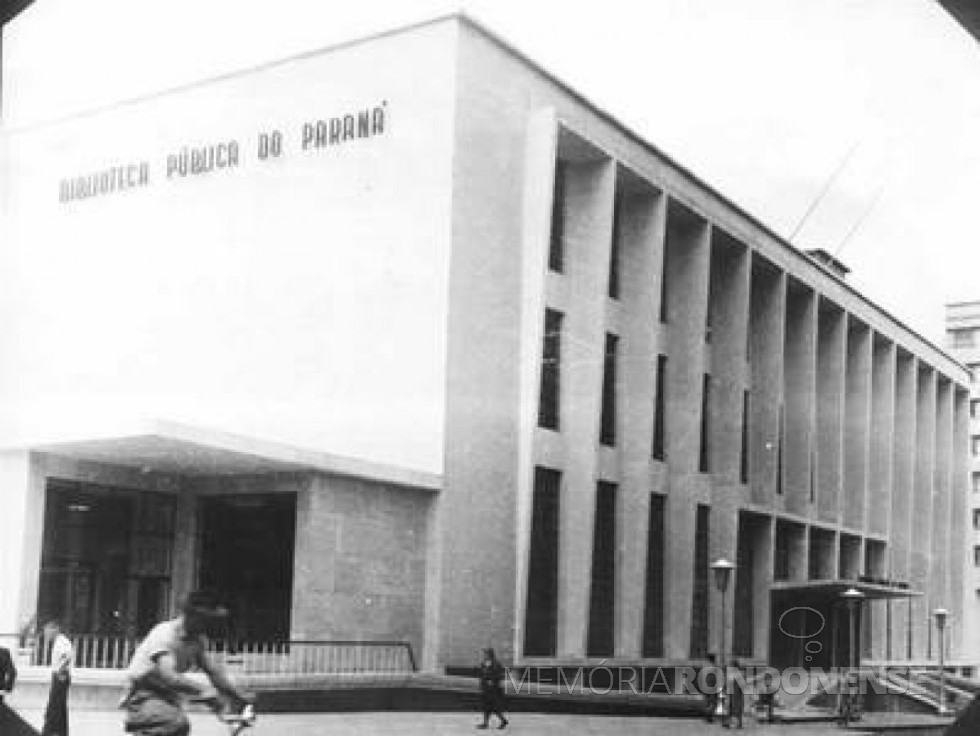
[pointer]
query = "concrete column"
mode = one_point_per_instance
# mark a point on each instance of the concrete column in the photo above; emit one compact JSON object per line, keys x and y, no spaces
{"x":21,"y":531}
{"x":800,"y":395}
{"x":641,"y":248}
{"x":728,"y":308}
{"x":688,"y":250}
{"x":965,"y":639}
{"x":767,"y":319}
{"x":539,"y":156}
{"x":922,"y":520}
{"x":728,"y":317}
{"x":879,"y":497}
{"x":939,"y":567}
{"x":589,"y":197}
{"x":185,"y":559}
{"x":762,"y":579}
{"x":799,"y":551}
{"x":903,"y":481}
{"x":857,"y":423}
{"x":831,"y":343}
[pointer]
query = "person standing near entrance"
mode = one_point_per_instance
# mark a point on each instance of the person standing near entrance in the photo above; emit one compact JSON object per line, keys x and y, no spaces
{"x":62,"y":654}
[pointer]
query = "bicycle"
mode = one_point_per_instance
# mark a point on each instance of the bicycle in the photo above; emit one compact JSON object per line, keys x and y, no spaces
{"x":238,"y":722}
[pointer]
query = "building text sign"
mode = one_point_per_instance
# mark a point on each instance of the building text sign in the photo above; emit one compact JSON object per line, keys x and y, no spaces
{"x":197,"y":160}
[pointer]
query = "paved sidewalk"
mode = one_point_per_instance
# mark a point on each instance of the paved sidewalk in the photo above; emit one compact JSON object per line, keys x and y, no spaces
{"x":104,"y":723}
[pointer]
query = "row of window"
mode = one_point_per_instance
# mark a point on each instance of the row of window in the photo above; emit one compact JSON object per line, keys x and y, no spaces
{"x":541,"y":615}
{"x":549,"y":401}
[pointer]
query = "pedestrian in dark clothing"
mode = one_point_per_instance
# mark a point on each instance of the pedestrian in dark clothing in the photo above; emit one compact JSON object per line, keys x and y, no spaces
{"x":491,"y":689}
{"x":62,"y":654}
{"x":736,"y":697}
{"x":8,"y":673}
{"x":711,"y":695}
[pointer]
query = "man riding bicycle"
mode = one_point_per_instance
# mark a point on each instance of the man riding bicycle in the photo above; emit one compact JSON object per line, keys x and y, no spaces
{"x":158,"y":685}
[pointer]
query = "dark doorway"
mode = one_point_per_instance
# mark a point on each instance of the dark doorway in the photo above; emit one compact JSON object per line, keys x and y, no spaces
{"x":247,"y":544}
{"x":811,"y":628}
{"x":85,"y":558}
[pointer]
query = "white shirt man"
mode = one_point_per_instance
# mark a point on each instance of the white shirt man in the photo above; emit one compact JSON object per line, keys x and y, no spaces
{"x":62,"y":655}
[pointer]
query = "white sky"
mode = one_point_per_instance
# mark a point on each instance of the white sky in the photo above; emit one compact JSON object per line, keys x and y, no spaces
{"x":761,"y":98}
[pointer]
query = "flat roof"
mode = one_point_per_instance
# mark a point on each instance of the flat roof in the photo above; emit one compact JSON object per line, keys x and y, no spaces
{"x":170,"y":447}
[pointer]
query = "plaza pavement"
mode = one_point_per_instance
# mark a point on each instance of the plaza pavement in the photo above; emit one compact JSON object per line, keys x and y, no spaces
{"x":105,"y":723}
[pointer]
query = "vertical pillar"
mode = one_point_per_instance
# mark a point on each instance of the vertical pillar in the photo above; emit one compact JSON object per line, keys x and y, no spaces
{"x":963,"y":637}
{"x":540,"y":155}
{"x":186,"y":548}
{"x":857,"y":423}
{"x":728,"y":311}
{"x":766,"y":326}
{"x":903,"y":478}
{"x":589,"y":197}
{"x":687,"y":261}
{"x":883,"y":387}
{"x":21,"y":532}
{"x":641,"y":248}
{"x":832,"y":339}
{"x":801,"y":394}
{"x":925,"y":454}
{"x":762,"y":579}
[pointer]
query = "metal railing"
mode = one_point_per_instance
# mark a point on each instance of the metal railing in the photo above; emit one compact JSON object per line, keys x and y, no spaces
{"x":312,"y":657}
{"x":300,"y":657}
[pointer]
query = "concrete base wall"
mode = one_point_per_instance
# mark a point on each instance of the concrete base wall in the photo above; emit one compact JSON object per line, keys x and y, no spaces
{"x":359,"y":568}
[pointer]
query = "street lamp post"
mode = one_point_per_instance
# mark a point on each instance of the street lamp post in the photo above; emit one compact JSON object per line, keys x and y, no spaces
{"x":941,"y":615}
{"x":852,"y":597}
{"x":723,"y":573}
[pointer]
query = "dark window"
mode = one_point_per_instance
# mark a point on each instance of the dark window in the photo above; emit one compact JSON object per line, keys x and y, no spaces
{"x":602,"y":605}
{"x":556,"y":251}
{"x":549,"y":402}
{"x":704,"y":463}
{"x":976,"y":556}
{"x":964,"y":338}
{"x":975,"y":445}
{"x":781,"y":558}
{"x":659,"y":413}
{"x":614,"y":248}
{"x":664,"y":314}
{"x":974,"y":408}
{"x":541,"y":624}
{"x":976,"y":518}
{"x":744,"y":595}
{"x":607,"y":428}
{"x":743,"y":461}
{"x":699,"y":601}
{"x":975,"y":478}
{"x":653,"y":611}
{"x":779,"y":452}
{"x":813,"y":476}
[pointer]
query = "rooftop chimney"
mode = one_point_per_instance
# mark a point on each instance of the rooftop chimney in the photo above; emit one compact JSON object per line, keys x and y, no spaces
{"x":828,"y":262}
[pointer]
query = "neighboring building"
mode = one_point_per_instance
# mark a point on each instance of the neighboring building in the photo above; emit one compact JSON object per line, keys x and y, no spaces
{"x":963,"y":341}
{"x":404,"y":339}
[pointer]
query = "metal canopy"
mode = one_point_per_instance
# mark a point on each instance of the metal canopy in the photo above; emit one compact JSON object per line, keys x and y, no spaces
{"x":835,"y":588}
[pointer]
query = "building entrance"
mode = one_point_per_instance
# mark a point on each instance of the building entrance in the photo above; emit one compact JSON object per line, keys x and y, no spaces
{"x":246,"y":556}
{"x":811,"y":629}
